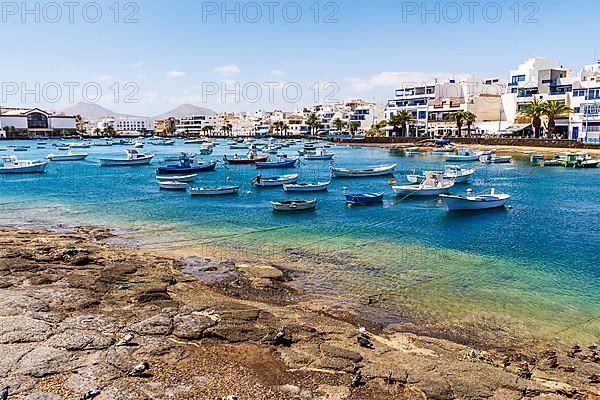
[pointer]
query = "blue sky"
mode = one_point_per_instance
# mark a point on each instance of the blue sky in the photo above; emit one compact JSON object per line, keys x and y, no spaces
{"x":182,"y":51}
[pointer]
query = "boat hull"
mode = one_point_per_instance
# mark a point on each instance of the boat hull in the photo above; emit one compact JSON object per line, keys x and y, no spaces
{"x":462,"y":158}
{"x":186,"y":170}
{"x":216,"y":191}
{"x":294,"y":205}
{"x":282,"y":164}
{"x":455,"y":203}
{"x":362,"y":173}
{"x":73,"y":157}
{"x":319,"y":187}
{"x":417,"y":191}
{"x":276,"y":182}
{"x":31,"y":169}
{"x":182,"y":178}
{"x":114,"y":162}
{"x":244,"y":160}
{"x":364,"y":199}
{"x":172,"y":185}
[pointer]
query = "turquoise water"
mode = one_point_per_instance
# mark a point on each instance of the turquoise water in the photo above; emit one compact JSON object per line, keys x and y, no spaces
{"x":531,"y":270}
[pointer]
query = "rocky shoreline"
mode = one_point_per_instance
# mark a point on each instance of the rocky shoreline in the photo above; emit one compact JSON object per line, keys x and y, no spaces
{"x":68,"y":299}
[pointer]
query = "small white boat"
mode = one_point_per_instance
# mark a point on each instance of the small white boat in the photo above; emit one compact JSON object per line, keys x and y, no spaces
{"x":213,"y":191}
{"x":133,"y":158}
{"x":464,"y":154}
{"x":490,"y":159}
{"x":2,"y":148}
{"x":433,"y":185}
{"x":320,"y":154}
{"x":173,"y":185}
{"x":177,"y":178}
{"x":12,"y":165}
{"x":138,"y":145}
{"x":275,"y":181}
{"x":82,"y":145}
{"x":365,"y":172}
{"x":104,"y":143}
{"x":70,"y":156}
{"x":63,"y":148}
{"x":306,"y":187}
{"x":458,"y":174}
{"x":477,"y":202}
{"x":411,"y":151}
{"x":440,"y":151}
{"x":193,"y":141}
{"x":294,"y":205}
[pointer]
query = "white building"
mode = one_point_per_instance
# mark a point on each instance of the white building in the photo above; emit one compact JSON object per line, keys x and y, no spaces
{"x":35,"y":122}
{"x":193,"y":124}
{"x":125,"y":125}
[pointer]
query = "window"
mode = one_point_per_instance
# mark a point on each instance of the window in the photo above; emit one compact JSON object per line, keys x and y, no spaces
{"x":37,"y":120}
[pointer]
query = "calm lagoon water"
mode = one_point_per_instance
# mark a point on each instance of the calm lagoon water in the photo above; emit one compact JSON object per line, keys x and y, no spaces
{"x":531,"y":270}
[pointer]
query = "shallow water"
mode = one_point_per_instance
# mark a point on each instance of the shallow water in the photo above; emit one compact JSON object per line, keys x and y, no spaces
{"x":531,"y":269}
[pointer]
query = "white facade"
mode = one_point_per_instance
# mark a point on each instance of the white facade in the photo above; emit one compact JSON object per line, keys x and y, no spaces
{"x":36,"y":121}
{"x":193,"y":124}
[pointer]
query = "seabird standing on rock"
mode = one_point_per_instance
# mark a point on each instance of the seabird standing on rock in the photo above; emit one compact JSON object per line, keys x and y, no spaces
{"x":363,"y":331}
{"x":4,"y":393}
{"x":231,"y":397}
{"x":356,"y":379}
{"x":139,"y":369}
{"x":126,"y":341}
{"x":90,"y":394}
{"x":363,"y":341}
{"x":280,"y":337}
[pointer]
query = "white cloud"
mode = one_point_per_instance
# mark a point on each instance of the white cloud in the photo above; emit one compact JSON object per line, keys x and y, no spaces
{"x":277,"y":72}
{"x":227,"y":70}
{"x":175,"y":74}
{"x":138,"y":64}
{"x":395,"y":80}
{"x":104,"y":77}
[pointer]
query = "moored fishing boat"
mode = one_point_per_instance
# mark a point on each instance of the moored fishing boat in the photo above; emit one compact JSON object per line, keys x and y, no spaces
{"x":21,"y":148}
{"x":187,"y":165}
{"x":173,"y":185}
{"x":138,"y":144}
{"x":490,"y":159}
{"x":274,"y":181}
{"x":464,"y":154}
{"x":320,"y":154}
{"x":586,"y":161}
{"x":281,"y":162}
{"x":451,"y":172}
{"x":133,"y":158}
{"x":12,"y":165}
{"x":294,"y":205}
{"x":80,"y":145}
{"x":381,"y":170}
{"x":363,"y":198}
{"x":205,"y":149}
{"x":70,"y":156}
{"x":178,"y":178}
{"x":251,"y":158}
{"x":477,"y":202}
{"x":162,"y":142}
{"x":433,"y":185}
{"x":213,"y":191}
{"x":306,"y":187}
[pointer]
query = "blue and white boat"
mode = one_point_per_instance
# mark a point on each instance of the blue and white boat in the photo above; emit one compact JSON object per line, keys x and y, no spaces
{"x":274,"y":181}
{"x":477,"y":202}
{"x":281,"y":162}
{"x":364,"y":172}
{"x":320,"y":154}
{"x":187,"y":165}
{"x":133,"y":158}
{"x":162,"y":142}
{"x":306,"y":187}
{"x":363,"y":198}
{"x":464,"y":154}
{"x":12,"y":165}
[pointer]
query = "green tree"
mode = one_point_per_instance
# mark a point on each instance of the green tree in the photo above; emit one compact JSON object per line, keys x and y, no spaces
{"x":535,"y":111}
{"x":459,"y":117}
{"x":313,"y":122}
{"x":338,"y":124}
{"x":109,"y":131}
{"x":552,"y":110}
{"x":354,"y":126}
{"x":469,"y":120}
{"x":401,"y":120}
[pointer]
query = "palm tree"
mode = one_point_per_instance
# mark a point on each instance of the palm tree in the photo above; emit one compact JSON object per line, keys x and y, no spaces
{"x":97,"y":131}
{"x":459,"y":117}
{"x":338,"y":124}
{"x":285,"y":128}
{"x":313,"y":122}
{"x":109,"y":131}
{"x":354,"y":127}
{"x":553,"y":109}
{"x":534,"y":110}
{"x":401,"y":119}
{"x":469,"y":120}
{"x":230,"y":128}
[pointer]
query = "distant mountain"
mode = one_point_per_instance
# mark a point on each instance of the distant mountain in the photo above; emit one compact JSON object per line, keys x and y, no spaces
{"x":93,"y":111}
{"x":185,"y":110}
